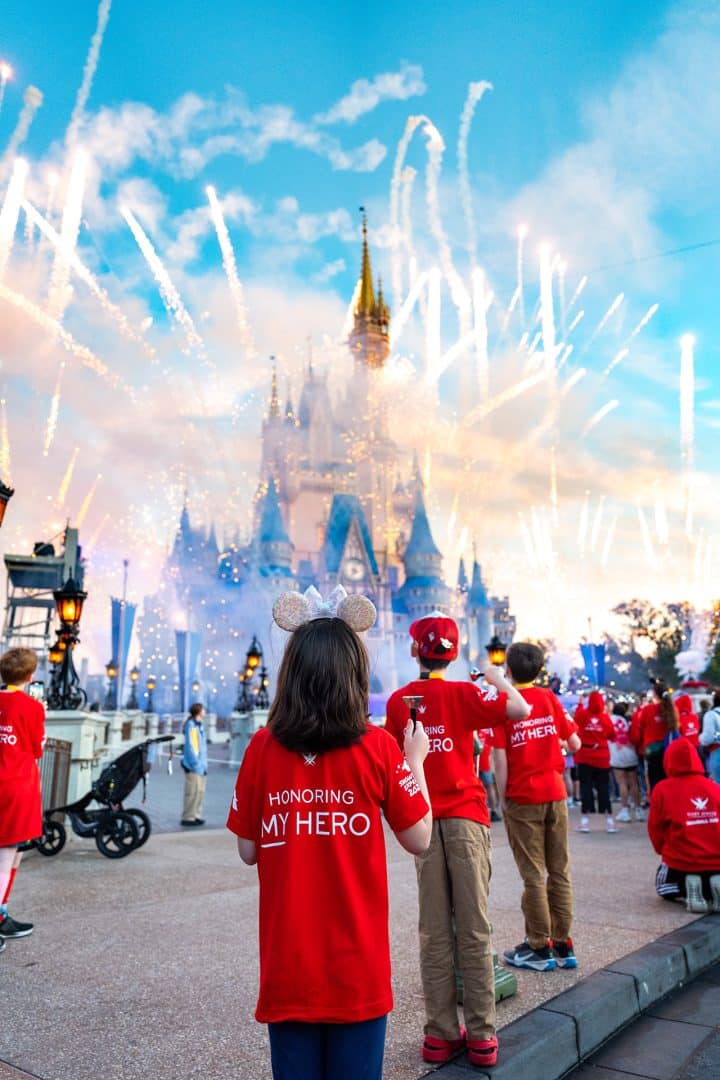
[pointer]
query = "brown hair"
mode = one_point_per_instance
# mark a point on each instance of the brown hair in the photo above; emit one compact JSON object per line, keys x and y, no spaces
{"x":524,"y":661}
{"x":321,"y":701}
{"x":17,"y":666}
{"x":196,"y":709}
{"x":433,"y":663}
{"x":669,"y":713}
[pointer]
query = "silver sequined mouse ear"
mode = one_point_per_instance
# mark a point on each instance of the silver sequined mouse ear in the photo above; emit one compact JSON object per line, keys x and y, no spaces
{"x":358,"y":612}
{"x":290,"y":610}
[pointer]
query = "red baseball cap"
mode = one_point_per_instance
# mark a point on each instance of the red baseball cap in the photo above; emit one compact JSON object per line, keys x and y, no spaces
{"x":436,"y":636}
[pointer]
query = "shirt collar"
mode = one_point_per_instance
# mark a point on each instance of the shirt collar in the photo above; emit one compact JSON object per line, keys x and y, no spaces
{"x":432,"y":674}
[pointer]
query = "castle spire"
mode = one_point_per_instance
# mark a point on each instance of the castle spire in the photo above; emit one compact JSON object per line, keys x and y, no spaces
{"x":366,"y":299}
{"x":274,"y":400}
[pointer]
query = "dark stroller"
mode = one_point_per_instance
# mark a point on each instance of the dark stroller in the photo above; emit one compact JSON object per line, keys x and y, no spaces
{"x":117,"y":831}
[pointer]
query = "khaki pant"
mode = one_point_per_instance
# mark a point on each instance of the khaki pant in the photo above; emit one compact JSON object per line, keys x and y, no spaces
{"x":453,"y":879}
{"x":538,"y":837}
{"x":193,"y":795}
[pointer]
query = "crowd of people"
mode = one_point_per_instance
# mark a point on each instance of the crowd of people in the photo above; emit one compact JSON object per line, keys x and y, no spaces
{"x":316,"y":782}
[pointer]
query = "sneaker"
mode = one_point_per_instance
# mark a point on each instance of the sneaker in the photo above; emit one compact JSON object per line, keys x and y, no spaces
{"x":188,"y":822}
{"x":483,"y":1051}
{"x":523,"y":956}
{"x":584,"y":825}
{"x":494,"y":816}
{"x":610,"y":825}
{"x":564,"y":954}
{"x":199,"y":820}
{"x":10,"y":928}
{"x":694,"y":899}
{"x":624,"y":815}
{"x":570,"y":802}
{"x":436,"y":1051}
{"x":715,"y":890}
{"x":640,"y":814}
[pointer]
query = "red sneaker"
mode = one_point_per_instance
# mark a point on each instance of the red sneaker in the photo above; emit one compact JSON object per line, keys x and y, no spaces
{"x":436,"y":1051}
{"x":483,"y":1052}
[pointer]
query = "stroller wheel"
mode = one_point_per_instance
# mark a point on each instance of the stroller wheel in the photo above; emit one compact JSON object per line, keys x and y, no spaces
{"x":143,"y":825}
{"x":53,"y":838}
{"x":116,"y":835}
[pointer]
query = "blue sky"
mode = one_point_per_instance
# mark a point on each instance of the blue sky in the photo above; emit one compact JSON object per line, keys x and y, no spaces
{"x":599,"y":133}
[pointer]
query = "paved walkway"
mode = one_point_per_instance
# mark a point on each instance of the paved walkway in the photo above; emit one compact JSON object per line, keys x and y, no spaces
{"x":147,"y":966}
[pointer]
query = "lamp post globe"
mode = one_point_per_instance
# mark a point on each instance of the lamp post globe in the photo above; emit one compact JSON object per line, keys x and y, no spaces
{"x":111,"y":670}
{"x":65,"y":690}
{"x":496,"y":650}
{"x":150,"y":684}
{"x":134,"y":676}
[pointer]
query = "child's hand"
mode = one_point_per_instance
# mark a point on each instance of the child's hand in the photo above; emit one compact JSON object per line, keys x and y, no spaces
{"x":417,"y":744}
{"x":495,"y":676}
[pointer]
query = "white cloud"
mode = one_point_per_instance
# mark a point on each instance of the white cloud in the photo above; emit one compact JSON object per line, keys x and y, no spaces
{"x":366,"y":94}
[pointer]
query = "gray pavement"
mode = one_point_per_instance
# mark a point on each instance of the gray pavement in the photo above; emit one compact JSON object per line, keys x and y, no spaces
{"x":147,"y":966}
{"x":680,"y":1037}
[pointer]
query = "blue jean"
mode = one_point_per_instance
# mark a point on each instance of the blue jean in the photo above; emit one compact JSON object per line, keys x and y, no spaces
{"x":301,"y":1051}
{"x":713,"y":764}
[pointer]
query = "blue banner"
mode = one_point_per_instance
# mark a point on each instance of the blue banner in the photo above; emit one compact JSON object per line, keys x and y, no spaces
{"x":187,"y":647}
{"x":594,"y":660}
{"x":122,"y":622}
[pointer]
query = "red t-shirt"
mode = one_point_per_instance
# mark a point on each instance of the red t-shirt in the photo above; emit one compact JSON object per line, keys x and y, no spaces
{"x":22,"y":733}
{"x":594,"y":729}
{"x":535,"y":762}
{"x":324,"y":944}
{"x":450,"y":712}
{"x":647,"y":727}
{"x":484,"y":762}
{"x":684,"y":819}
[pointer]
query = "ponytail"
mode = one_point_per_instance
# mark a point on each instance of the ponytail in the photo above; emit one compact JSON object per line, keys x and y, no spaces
{"x":668,"y":713}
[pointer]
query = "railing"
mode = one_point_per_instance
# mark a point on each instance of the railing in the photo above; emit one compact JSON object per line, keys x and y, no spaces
{"x":55,"y":772}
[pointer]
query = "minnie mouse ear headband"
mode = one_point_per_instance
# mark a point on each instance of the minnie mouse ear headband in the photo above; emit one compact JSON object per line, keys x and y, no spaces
{"x":292,"y":609}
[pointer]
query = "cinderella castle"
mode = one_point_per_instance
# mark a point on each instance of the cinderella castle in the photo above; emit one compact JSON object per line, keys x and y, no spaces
{"x":336,"y":504}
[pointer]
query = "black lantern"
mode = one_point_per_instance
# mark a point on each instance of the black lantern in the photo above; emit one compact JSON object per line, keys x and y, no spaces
{"x":111,"y":670}
{"x":245,"y":702}
{"x":150,"y":685}
{"x":496,"y":650}
{"x":195,"y":687}
{"x":134,"y":676}
{"x":6,"y":494}
{"x":65,"y":691}
{"x":254,"y":656}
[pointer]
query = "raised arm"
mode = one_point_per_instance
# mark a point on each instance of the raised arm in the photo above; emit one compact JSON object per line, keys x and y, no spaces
{"x":517,"y":706}
{"x":417,"y":838}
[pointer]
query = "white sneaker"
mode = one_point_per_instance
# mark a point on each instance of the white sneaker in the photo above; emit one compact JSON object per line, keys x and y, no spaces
{"x":694,"y":899}
{"x":584,"y":825}
{"x":570,"y":803}
{"x":640,"y":814}
{"x":624,"y":814}
{"x":610,"y":825}
{"x":715,"y":890}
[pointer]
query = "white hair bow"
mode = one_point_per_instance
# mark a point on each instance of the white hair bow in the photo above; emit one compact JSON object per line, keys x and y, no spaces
{"x":292,"y":609}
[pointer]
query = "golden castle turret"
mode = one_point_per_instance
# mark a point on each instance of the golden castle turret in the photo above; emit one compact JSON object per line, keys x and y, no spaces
{"x":370,"y":337}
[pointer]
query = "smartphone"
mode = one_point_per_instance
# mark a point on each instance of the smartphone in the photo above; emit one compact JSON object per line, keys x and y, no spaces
{"x":36,"y":689}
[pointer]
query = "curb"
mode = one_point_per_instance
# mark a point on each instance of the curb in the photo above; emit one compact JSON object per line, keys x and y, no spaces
{"x":551,"y":1040}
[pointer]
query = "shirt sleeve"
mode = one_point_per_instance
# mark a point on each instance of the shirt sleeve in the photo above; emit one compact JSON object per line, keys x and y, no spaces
{"x":38,"y":729}
{"x":487,"y":708}
{"x":244,"y":817}
{"x":564,"y":726}
{"x":499,"y":737}
{"x":404,"y":804}
{"x":395,"y":721}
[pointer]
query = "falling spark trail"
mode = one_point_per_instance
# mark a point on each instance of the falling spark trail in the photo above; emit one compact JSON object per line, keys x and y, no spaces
{"x":87,"y":277}
{"x":565,"y":356}
{"x":448,"y":357}
{"x":608,"y":541}
{"x":486,"y":407}
{"x":88,"y":500}
{"x":5,"y":470}
{"x":583,"y":523}
{"x":60,"y":291}
{"x":687,"y":423}
{"x":547,"y":318}
{"x":230,"y":267}
{"x":67,"y":479}
{"x":169,"y":294}
{"x":399,"y":322}
{"x":5,"y":73}
{"x":476,"y":91}
{"x":480,"y":329}
{"x":661,"y":522}
{"x":10,"y":211}
{"x":528,"y":542}
{"x":577,"y":294}
{"x":562,"y":270}
{"x":521,"y":234}
{"x":604,"y":321}
{"x":32,"y":100}
{"x":54,"y":411}
{"x":598,"y":416}
{"x":575,"y":323}
{"x":617,"y":359}
{"x":89,"y":70}
{"x":53,"y":327}
{"x":643,"y":322}
{"x":595,"y":534}
{"x":573,"y":381}
{"x":411,"y":126}
{"x":647,"y":541}
{"x":432,"y":325}
{"x":53,"y":179}
{"x":435,"y":151}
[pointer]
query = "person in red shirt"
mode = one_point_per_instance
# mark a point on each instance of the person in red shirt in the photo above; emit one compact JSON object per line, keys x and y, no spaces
{"x":307,"y":810}
{"x":650,"y":727}
{"x":684,"y":828}
{"x":529,"y":768}
{"x":454,"y":875}
{"x":593,"y":761}
{"x":22,"y":736}
{"x":688,"y":723}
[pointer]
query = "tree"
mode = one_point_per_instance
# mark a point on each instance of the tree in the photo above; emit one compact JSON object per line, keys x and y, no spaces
{"x":663,"y":626}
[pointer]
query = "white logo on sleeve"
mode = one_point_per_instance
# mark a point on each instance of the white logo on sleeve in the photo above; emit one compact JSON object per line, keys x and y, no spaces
{"x":422,"y":709}
{"x":310,"y":759}
{"x":489,"y":693}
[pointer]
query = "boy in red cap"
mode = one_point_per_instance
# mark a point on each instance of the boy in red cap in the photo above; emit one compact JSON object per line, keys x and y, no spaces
{"x":454,"y":874}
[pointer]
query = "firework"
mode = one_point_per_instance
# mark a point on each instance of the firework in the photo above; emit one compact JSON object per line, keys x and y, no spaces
{"x":598,"y":416}
{"x":230,"y":267}
{"x":32,"y":100}
{"x":54,"y":411}
{"x":476,"y":90}
{"x":67,"y":479}
{"x":10,"y":211}
{"x":89,"y":70}
{"x":87,"y":501}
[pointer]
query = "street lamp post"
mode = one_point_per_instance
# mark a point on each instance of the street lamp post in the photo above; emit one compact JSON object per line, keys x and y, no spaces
{"x":496,"y":650}
{"x":263,"y":700}
{"x":150,"y":686}
{"x":195,"y":687}
{"x":111,"y":702}
{"x":65,"y":690}
{"x":134,"y":676}
{"x":247,"y":697}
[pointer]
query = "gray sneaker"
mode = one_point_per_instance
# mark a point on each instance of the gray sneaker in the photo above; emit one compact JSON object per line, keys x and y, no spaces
{"x":715,"y":890}
{"x":694,"y":899}
{"x":10,"y":928}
